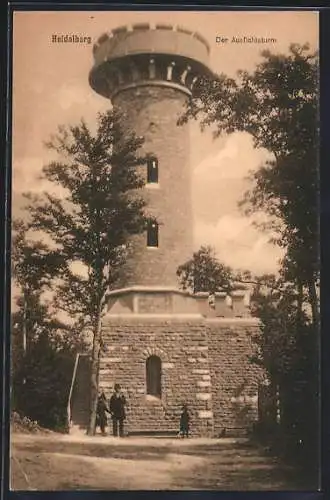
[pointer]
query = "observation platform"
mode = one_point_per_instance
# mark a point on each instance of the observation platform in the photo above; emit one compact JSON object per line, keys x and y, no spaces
{"x":144,"y":54}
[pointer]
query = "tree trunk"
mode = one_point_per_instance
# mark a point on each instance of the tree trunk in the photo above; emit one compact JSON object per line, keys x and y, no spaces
{"x":300,"y":303}
{"x":24,"y":340}
{"x":94,"y":381}
{"x":313,"y":302}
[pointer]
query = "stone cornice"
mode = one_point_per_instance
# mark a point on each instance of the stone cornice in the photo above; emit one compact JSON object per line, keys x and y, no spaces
{"x":234,"y":321}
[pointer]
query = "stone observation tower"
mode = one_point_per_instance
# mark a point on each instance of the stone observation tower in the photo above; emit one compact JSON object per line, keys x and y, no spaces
{"x":165,"y":346}
{"x":149,"y":74}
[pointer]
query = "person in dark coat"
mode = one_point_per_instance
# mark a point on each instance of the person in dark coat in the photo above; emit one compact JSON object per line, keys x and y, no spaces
{"x":184,"y":421}
{"x":101,"y":411}
{"x":117,"y":410}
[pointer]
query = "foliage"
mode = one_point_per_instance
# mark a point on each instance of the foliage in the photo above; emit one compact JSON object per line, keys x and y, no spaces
{"x":33,"y":265}
{"x":288,"y":349}
{"x":91,"y":221}
{"x":275,"y":303}
{"x":281,"y":91}
{"x":41,"y":381}
{"x":204,"y":273}
{"x":42,"y":348}
{"x":278,"y":105}
{"x":285,"y":346}
{"x":41,"y":373}
{"x":23,"y":424}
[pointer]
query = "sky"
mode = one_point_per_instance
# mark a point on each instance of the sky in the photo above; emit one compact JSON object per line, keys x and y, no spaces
{"x":50,"y":87}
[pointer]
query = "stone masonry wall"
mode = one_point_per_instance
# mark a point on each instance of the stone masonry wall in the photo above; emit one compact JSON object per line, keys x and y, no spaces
{"x":152,"y":112}
{"x":205,"y":363}
{"x":183,"y":349}
{"x":234,"y":378}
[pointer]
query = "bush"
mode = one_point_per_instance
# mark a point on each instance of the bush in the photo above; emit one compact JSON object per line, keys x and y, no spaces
{"x":42,"y":382}
{"x":23,"y":424}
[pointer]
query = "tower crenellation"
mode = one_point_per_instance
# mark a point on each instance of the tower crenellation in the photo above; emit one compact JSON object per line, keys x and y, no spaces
{"x":163,"y":54}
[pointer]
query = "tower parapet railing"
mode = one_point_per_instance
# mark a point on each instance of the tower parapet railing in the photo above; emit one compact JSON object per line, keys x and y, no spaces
{"x":144,"y":54}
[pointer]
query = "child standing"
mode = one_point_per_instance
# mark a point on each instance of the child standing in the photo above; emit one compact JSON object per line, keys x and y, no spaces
{"x":101,"y":417}
{"x":184,"y":421}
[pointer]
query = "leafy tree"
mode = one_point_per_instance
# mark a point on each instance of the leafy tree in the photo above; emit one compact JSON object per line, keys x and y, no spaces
{"x":32,"y":259}
{"x":40,"y":344}
{"x":91,"y":222}
{"x":284,"y":346}
{"x":287,"y":347}
{"x":33,"y":268}
{"x":41,"y":376}
{"x":278,"y":105}
{"x":204,"y":273}
{"x":274,"y":302}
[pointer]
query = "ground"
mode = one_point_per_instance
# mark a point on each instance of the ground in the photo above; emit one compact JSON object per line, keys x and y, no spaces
{"x":64,"y":462}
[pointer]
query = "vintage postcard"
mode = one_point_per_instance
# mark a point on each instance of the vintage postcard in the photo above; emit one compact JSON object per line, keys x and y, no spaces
{"x":165,"y":251}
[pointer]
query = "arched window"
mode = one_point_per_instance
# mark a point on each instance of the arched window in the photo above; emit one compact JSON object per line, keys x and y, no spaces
{"x":154,"y":376}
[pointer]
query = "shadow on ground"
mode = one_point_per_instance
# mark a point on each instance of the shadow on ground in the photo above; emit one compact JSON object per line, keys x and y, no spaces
{"x":156,"y":451}
{"x":50,"y":464}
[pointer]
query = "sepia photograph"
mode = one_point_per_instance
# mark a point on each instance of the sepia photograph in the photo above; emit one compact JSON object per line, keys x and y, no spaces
{"x":165,"y":251}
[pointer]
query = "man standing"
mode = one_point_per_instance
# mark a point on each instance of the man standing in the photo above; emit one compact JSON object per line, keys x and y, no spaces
{"x":117,"y":410}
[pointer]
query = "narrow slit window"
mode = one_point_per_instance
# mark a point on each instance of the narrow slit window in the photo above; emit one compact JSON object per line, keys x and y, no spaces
{"x":152,"y":234}
{"x":152,"y":171}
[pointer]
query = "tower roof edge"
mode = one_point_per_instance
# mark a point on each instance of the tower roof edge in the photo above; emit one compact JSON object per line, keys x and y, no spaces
{"x":144,"y":38}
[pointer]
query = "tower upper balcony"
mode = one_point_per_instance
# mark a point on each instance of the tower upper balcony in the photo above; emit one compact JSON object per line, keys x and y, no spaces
{"x":148,"y":55}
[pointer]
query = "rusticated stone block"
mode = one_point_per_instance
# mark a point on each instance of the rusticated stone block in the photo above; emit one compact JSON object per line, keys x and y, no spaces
{"x":203,"y":383}
{"x":205,"y":414}
{"x":166,"y":366}
{"x":203,"y":396}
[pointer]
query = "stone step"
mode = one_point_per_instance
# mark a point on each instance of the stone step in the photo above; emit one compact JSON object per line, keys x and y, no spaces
{"x":154,"y":433}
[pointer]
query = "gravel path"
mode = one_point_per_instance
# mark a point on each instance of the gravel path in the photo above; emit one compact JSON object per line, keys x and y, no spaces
{"x":64,"y":462}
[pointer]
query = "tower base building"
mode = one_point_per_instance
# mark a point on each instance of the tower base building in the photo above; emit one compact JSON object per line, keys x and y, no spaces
{"x":167,"y":348}
{"x":164,"y":346}
{"x":165,"y":351}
